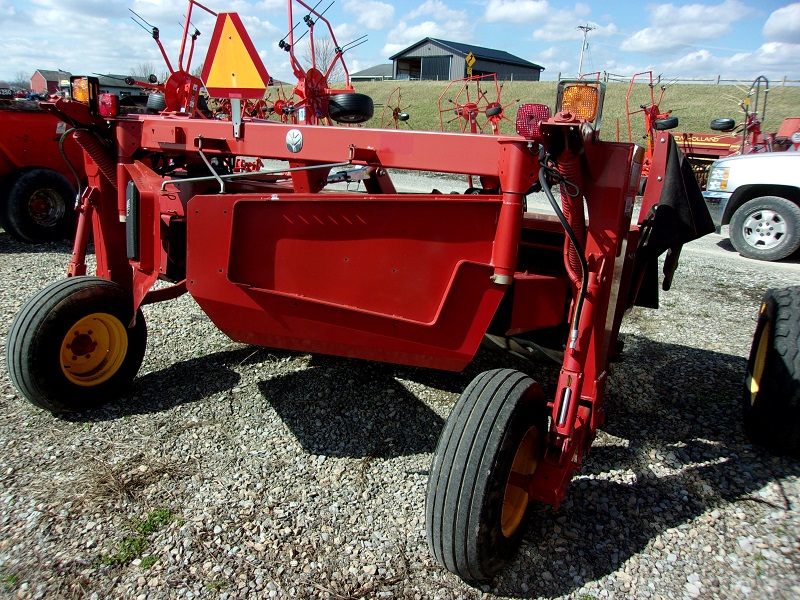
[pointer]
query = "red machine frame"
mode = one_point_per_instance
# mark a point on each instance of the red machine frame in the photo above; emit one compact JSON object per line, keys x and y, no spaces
{"x":276,"y":259}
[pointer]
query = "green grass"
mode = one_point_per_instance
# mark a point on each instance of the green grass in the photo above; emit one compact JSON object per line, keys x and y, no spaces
{"x":9,"y":581}
{"x":694,"y":105}
{"x":133,"y":545}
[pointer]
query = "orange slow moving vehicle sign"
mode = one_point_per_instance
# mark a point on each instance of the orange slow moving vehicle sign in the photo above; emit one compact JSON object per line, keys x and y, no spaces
{"x":233,"y":68}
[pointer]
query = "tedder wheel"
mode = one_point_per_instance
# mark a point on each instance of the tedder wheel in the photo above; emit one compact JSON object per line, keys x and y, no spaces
{"x":70,"y":348}
{"x":771,"y":395}
{"x":666,"y":123}
{"x":156,"y":102}
{"x":474,"y":510}
{"x":766,"y":228}
{"x":39,"y":207}
{"x":723,"y":124}
{"x":350,"y":108}
{"x":493,"y":111}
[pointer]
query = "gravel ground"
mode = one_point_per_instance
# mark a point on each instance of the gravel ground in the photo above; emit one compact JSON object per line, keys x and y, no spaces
{"x":230,"y":471}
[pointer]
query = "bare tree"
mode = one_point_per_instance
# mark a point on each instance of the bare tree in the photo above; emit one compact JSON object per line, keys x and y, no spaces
{"x":143,"y":70}
{"x":22,"y":80}
{"x":324,"y":53}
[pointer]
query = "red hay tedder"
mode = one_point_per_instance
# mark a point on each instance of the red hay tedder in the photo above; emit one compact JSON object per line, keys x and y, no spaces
{"x":278,"y":259}
{"x":728,"y":138}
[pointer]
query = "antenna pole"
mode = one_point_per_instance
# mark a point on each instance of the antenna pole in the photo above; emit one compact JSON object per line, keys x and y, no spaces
{"x":586,"y":29}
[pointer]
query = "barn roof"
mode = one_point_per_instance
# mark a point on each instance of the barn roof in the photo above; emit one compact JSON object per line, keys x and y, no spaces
{"x":478,"y":51}
{"x":375,"y":71}
{"x":56,"y":76}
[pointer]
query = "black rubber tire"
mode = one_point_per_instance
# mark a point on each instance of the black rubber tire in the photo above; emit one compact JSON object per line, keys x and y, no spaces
{"x":39,"y":207}
{"x":493,"y":111}
{"x":666,"y":123}
{"x":754,"y":216}
{"x":40,"y":328}
{"x":771,"y":391}
{"x":350,"y":108}
{"x":5,"y":187}
{"x":723,"y":125}
{"x":156,"y":102}
{"x":470,"y":470}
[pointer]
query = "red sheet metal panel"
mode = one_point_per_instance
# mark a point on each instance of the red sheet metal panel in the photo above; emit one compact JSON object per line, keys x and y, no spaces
{"x":393,"y":278}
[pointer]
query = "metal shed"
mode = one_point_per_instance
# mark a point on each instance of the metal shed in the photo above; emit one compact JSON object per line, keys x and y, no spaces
{"x":435,"y":59}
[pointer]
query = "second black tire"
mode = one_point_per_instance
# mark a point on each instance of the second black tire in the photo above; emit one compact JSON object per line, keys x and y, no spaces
{"x":771,"y":393}
{"x":475,"y":516}
{"x":39,"y":207}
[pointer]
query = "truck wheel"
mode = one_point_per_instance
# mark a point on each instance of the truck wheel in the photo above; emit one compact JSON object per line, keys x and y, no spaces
{"x":39,"y":207}
{"x":771,"y":394}
{"x":475,"y":516}
{"x":69,"y":347}
{"x":350,"y":108}
{"x":766,"y":228}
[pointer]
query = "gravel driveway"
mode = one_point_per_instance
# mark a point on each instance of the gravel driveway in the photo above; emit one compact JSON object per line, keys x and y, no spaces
{"x":231,"y":471}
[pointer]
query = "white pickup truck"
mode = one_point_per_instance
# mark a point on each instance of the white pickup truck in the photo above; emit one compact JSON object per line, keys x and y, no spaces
{"x":758,"y":195}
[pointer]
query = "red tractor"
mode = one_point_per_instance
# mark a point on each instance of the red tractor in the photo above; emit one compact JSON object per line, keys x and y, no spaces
{"x":41,"y":169}
{"x":276,"y":259}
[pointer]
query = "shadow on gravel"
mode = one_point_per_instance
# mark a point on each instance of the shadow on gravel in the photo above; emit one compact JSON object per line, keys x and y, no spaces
{"x":10,"y":245}
{"x":672,"y":449}
{"x":158,"y":391}
{"x":363,"y":408}
{"x":676,"y":450}
{"x":349,"y":408}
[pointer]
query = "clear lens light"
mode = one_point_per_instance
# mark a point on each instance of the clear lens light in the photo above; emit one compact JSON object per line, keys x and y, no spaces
{"x":718,"y":178}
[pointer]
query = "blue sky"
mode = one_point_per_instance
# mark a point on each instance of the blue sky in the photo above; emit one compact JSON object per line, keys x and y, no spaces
{"x":705,"y":38}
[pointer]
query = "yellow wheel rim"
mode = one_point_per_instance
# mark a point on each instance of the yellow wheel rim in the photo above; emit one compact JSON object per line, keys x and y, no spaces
{"x":754,"y":380}
{"x":515,"y":500}
{"x":94,"y":349}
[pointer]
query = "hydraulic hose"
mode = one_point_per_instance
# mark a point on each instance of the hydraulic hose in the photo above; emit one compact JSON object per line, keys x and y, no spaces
{"x":576,"y":244}
{"x":73,"y":170}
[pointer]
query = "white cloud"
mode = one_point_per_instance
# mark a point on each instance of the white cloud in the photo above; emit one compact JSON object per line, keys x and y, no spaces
{"x":518,"y":11}
{"x":438,"y":9}
{"x":783,"y":25}
{"x":403,"y":35}
{"x":773,"y":56}
{"x":450,"y":24}
{"x":676,"y":26}
{"x":371,"y":13}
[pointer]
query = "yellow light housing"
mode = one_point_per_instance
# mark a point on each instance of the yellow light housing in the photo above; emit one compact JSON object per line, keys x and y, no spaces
{"x":85,"y":91}
{"x":80,"y":90}
{"x":581,"y":101}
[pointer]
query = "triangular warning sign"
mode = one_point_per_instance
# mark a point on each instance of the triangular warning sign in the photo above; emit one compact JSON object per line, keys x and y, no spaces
{"x":233,"y":68}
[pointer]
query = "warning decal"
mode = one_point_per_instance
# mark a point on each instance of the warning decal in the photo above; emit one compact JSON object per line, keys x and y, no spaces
{"x":233,"y":68}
